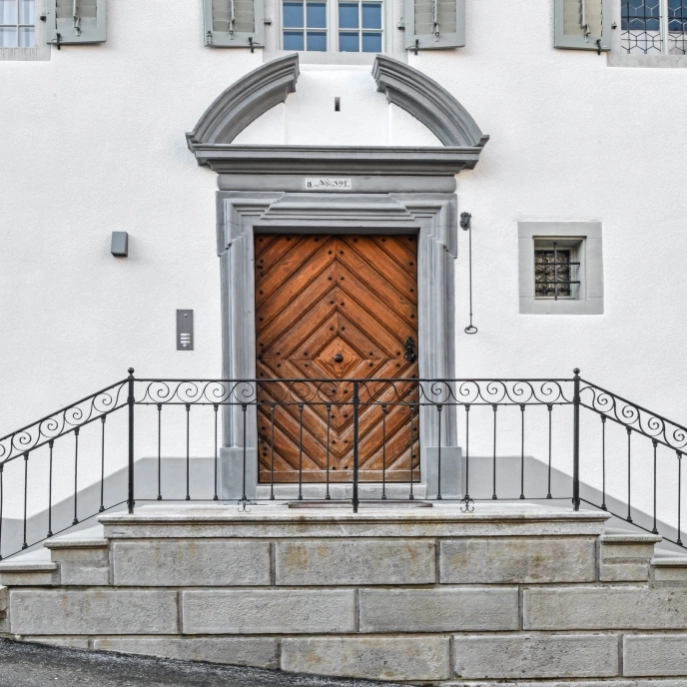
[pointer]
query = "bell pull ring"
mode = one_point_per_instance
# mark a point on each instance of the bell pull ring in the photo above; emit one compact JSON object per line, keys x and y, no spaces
{"x":466,"y":225}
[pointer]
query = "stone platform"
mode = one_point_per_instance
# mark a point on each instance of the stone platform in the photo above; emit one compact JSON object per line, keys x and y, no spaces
{"x":507,"y":592}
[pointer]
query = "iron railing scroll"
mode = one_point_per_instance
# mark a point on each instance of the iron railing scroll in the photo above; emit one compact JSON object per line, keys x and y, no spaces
{"x":645,"y":442}
{"x":30,"y":457}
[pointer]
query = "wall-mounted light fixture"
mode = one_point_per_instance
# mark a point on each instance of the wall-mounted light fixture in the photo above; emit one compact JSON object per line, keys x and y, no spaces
{"x":120,"y":244}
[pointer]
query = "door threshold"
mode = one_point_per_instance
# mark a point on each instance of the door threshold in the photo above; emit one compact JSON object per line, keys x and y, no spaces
{"x":376,"y":503}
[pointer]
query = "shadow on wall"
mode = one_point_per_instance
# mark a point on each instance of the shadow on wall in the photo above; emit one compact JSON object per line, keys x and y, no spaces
{"x":535,"y":488}
{"x":172,"y":474}
{"x":88,"y":500}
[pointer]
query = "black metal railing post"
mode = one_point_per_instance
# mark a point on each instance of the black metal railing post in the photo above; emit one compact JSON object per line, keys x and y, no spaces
{"x":2,"y":472}
{"x":679,"y":498}
{"x":130,"y":403}
{"x":26,"y":496}
{"x":51,"y":444}
{"x":188,"y":451}
{"x":576,"y":440}
{"x":439,"y":495}
{"x":75,"y":521}
{"x":356,"y":408}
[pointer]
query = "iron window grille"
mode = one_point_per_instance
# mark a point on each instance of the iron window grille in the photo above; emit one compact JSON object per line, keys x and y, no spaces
{"x":555,"y":271}
{"x":654,"y":27}
{"x":17,"y":28}
{"x":344,"y":26}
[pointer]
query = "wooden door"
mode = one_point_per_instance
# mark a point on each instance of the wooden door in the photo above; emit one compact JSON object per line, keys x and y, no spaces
{"x":333,"y":308}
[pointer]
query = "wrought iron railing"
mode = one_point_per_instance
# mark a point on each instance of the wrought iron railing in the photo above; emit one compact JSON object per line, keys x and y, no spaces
{"x":353,"y":441}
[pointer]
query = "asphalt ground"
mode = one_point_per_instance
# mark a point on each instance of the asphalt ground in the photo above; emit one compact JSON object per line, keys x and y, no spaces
{"x":35,"y":665}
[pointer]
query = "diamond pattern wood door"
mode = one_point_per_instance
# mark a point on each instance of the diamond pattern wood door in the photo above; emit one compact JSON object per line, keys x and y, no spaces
{"x":336,"y":308}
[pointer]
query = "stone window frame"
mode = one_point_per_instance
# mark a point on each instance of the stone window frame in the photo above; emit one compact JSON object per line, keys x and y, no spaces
{"x":587,"y":237}
{"x":618,"y":57}
{"x":41,"y":51}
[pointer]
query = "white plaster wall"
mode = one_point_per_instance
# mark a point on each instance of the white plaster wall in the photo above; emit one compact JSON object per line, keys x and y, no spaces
{"x":93,"y":141}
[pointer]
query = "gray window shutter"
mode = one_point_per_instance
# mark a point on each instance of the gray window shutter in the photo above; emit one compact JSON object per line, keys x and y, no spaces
{"x":76,"y":21}
{"x":434,"y":24}
{"x":234,"y":23}
{"x":582,"y":24}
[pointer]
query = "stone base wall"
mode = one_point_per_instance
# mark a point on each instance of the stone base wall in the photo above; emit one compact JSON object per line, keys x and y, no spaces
{"x":431,"y":595}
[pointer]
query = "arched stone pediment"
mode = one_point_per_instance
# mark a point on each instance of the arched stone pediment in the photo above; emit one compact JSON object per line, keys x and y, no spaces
{"x":246,"y":100}
{"x":269,"y":85}
{"x":427,"y":101}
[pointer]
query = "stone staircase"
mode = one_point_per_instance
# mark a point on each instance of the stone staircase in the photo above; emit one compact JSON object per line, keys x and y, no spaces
{"x":508,"y":592}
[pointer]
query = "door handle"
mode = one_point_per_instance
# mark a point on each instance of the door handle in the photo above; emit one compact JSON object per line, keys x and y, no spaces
{"x":410,"y":350}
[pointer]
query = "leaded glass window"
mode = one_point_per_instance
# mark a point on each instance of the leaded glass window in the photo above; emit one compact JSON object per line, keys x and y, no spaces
{"x":17,"y":24}
{"x":654,"y":27}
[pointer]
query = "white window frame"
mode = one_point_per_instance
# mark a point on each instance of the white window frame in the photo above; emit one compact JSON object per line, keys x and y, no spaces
{"x":332,"y":28}
{"x":41,"y":51}
{"x":618,"y":55}
{"x":392,"y":39}
{"x":326,"y":29}
{"x":585,"y":240}
{"x":360,"y":31}
{"x":18,"y":24}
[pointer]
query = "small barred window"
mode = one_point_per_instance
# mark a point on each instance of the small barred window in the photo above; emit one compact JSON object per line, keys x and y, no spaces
{"x":554,"y":272}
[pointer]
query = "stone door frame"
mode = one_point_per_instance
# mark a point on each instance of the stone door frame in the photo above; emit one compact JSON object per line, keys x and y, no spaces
{"x":431,"y":216}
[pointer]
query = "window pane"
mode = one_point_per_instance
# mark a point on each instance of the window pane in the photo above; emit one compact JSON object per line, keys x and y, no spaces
{"x":640,"y":23}
{"x":26,"y":8}
{"x":677,"y":12}
{"x":293,"y":40}
{"x":8,"y":11}
{"x":317,"y":41}
{"x":372,"y":15}
{"x":348,"y":42}
{"x":8,"y":38}
{"x":27,"y":38}
{"x":641,"y":15}
{"x":348,"y":15}
{"x":372,"y":42}
{"x":293,"y":15}
{"x":316,"y":15}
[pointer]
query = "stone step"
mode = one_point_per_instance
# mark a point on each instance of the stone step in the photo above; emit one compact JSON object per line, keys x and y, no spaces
{"x":420,"y":595}
{"x":83,"y":557}
{"x":670,"y":569}
{"x":624,"y":556}
{"x":31,"y":569}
